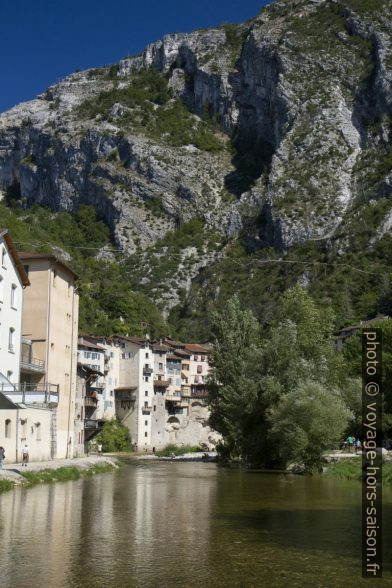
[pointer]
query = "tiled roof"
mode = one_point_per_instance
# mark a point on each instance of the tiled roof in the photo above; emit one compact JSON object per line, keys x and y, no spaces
{"x":196,"y":348}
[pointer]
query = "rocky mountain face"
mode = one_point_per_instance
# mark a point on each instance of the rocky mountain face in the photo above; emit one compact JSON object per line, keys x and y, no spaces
{"x":277,"y":131}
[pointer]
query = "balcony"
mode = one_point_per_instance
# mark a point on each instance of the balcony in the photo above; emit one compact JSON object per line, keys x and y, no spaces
{"x":174,"y":397}
{"x":161,"y":383}
{"x":125,"y":395}
{"x":23,"y":393}
{"x":185,"y":391}
{"x":147,"y":370}
{"x":92,"y":424}
{"x":97,"y":385}
{"x":29,"y":363}
{"x":32,"y":365}
{"x":146,"y":408}
{"x":199,"y":391}
{"x":90,"y":402}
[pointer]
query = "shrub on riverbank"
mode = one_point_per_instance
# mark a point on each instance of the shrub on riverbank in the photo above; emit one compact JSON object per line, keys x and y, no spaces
{"x":174,"y":449}
{"x":114,"y":437}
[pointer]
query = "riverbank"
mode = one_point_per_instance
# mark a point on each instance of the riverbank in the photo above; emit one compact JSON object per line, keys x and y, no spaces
{"x":61,"y":470}
{"x":351,"y":469}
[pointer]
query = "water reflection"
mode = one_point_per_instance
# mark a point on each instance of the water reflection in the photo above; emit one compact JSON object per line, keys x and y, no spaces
{"x":184,"y":524}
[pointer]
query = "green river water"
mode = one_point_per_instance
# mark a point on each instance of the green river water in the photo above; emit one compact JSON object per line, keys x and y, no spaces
{"x":154,"y":524}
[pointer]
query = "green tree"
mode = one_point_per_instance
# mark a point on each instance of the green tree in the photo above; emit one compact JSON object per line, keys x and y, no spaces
{"x":306,"y":421}
{"x":114,"y":437}
{"x":254,"y":380}
{"x":352,"y":353}
{"x":233,"y":377}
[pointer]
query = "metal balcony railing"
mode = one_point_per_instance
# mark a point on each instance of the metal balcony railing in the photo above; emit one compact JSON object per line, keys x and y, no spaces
{"x":32,"y":364}
{"x":24,"y":393}
{"x":92,"y":424}
{"x":161,"y":383}
{"x":125,"y":396}
{"x":147,"y":370}
{"x":89,"y":401}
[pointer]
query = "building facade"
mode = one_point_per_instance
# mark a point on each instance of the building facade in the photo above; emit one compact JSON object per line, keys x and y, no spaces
{"x":13,"y":279}
{"x":50,"y":331}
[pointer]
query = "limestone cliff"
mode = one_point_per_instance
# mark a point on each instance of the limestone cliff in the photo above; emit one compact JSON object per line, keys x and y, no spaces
{"x":286,"y":129}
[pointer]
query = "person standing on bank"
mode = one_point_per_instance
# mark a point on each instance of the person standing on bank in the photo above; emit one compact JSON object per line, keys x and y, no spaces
{"x":99,"y":448}
{"x":25,"y":456}
{"x":2,"y":457}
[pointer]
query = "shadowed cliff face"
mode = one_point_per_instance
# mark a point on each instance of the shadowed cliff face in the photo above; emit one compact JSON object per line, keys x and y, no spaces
{"x":268,"y":129}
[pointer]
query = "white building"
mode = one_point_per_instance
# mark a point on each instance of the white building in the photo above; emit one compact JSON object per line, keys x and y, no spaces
{"x":27,"y":417}
{"x":13,"y":279}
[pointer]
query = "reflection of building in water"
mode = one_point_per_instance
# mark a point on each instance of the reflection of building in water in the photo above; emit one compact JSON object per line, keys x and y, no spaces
{"x":172,"y":513}
{"x":124,"y":529}
{"x":40,"y":534}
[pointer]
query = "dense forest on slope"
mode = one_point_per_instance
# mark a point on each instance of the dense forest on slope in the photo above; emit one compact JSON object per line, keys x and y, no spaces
{"x":108,"y":303}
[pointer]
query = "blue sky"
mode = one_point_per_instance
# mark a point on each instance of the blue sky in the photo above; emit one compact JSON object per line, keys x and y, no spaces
{"x":44,"y":40}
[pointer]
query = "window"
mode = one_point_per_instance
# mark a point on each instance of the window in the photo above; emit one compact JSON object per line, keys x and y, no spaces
{"x":145,"y":423}
{"x":123,"y":345}
{"x":146,"y":403}
{"x":1,"y":289}
{"x":199,"y":369}
{"x":185,"y":367}
{"x":146,"y":393}
{"x":87,"y":354}
{"x":3,"y":257}
{"x":202,"y":358}
{"x":9,"y":375}
{"x":111,"y":354}
{"x":146,"y":355}
{"x":146,"y":378}
{"x":38,"y":425}
{"x":23,"y":422}
{"x":8,"y":429}
{"x":145,"y":434}
{"x":11,"y":340}
{"x":155,"y":407}
{"x":123,"y":356}
{"x":14,"y":297}
{"x":161,"y":366}
{"x":196,"y":379}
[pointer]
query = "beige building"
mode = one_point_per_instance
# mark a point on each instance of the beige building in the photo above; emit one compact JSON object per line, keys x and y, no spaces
{"x":20,"y":425}
{"x":50,"y":331}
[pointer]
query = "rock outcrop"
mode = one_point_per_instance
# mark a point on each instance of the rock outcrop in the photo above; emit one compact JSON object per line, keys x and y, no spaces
{"x":298,"y":98}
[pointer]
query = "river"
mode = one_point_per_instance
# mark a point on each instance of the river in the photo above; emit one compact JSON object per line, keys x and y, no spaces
{"x":154,"y":524}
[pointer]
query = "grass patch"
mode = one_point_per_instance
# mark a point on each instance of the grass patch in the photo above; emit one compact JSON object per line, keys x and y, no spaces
{"x":6,"y":485}
{"x":350,"y":469}
{"x":171,"y":448}
{"x":64,"y":474}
